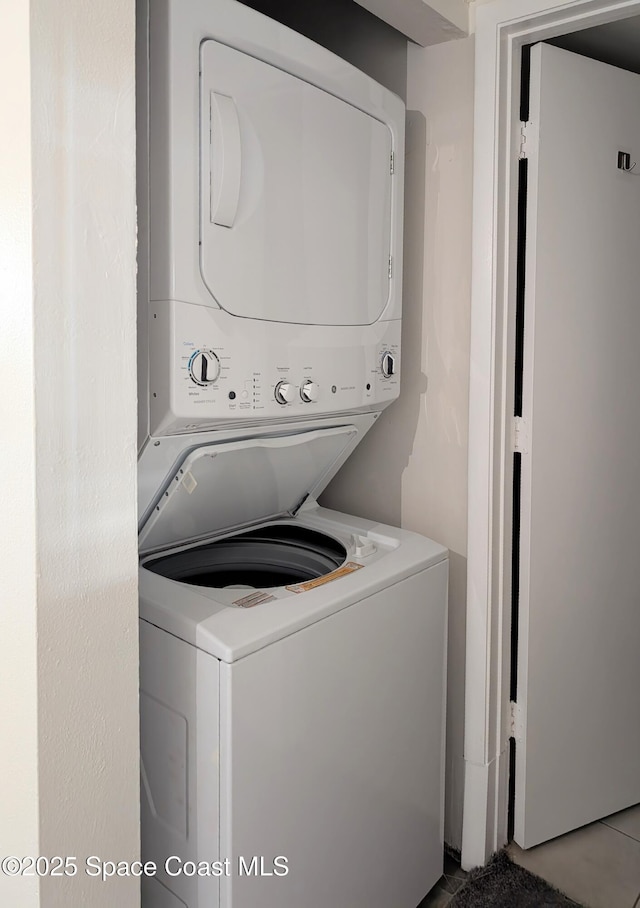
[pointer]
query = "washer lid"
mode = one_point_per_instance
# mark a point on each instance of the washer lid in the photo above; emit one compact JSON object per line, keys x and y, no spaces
{"x":218,"y":487}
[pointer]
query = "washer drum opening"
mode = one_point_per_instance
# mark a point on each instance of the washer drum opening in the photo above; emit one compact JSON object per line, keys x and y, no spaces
{"x":275,"y":555}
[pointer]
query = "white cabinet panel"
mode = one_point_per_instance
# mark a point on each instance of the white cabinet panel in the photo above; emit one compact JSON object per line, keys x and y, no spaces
{"x":334,"y":755}
{"x":179,"y":743}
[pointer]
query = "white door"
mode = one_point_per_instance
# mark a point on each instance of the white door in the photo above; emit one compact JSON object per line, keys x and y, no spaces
{"x":295,"y":196}
{"x":578,"y":741}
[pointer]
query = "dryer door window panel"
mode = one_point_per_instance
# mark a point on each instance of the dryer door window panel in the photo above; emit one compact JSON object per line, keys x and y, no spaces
{"x":295,"y":196}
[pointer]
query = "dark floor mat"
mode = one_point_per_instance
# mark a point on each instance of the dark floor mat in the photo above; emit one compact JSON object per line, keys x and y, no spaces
{"x":503,"y":884}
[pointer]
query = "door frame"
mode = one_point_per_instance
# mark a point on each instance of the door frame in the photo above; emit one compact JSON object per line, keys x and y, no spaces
{"x":502,"y":27}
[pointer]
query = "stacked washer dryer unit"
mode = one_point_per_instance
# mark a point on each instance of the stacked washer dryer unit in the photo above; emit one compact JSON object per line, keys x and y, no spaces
{"x":292,"y":658}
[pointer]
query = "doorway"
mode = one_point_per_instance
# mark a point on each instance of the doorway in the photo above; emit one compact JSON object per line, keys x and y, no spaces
{"x":503,"y":30}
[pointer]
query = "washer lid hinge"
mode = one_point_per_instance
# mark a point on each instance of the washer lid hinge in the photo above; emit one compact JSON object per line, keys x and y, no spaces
{"x":390,"y":266}
{"x":299,"y":505}
{"x":309,"y":503}
{"x":520,"y":435}
{"x":392,"y":163}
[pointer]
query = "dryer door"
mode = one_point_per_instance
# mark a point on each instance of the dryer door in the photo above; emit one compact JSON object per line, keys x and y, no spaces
{"x":295,"y":196}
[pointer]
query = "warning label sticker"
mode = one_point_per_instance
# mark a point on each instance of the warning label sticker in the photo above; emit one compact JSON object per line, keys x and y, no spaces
{"x":347,"y":568}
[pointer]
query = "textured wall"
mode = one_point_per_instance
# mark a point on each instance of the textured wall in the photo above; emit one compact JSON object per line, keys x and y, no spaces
{"x":69,"y":360}
{"x":411,"y":469}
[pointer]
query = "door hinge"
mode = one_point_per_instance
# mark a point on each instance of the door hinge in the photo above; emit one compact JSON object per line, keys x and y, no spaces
{"x":520,"y":435}
{"x":390,"y":267}
{"x":515,"y":721}
{"x":392,"y":163}
{"x":524,"y":138}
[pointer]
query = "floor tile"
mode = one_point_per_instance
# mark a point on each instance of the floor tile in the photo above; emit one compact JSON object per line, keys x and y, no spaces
{"x":451,"y":884}
{"x":596,"y":865}
{"x":627,"y":821}
{"x":437,"y":898}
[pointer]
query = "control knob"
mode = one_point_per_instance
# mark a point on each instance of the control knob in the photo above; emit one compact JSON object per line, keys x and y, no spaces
{"x":204,"y":367}
{"x":284,"y":392}
{"x":388,"y":365}
{"x":309,"y":391}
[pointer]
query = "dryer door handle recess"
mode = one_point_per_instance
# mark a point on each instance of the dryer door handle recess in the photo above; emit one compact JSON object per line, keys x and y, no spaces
{"x":226,"y":160}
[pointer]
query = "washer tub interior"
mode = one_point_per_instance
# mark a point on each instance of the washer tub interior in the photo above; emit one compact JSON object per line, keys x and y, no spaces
{"x":274,"y":555}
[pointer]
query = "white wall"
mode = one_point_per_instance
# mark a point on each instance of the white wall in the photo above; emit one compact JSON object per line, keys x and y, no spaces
{"x":68,"y":559}
{"x":411,"y":470}
{"x":18,"y":594}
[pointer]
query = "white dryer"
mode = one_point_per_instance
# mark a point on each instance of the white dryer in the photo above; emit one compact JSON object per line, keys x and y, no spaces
{"x":292,"y":658}
{"x":270,"y":224}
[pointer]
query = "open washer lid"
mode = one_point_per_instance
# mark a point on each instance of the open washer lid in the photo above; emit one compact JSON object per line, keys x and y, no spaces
{"x":219,"y":487}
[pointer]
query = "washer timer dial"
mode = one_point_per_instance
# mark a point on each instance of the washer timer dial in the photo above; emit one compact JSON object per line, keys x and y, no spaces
{"x":388,"y":365}
{"x":204,"y":367}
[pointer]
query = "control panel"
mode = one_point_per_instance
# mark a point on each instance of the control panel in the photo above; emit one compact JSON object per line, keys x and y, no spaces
{"x":207,"y":370}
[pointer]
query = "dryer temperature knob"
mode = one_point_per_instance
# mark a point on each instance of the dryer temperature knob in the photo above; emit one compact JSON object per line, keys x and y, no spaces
{"x":284,"y":392}
{"x":309,"y":391}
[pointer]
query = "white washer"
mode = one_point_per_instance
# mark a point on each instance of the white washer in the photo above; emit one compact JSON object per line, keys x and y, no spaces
{"x":292,"y":688}
{"x":292,"y":658}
